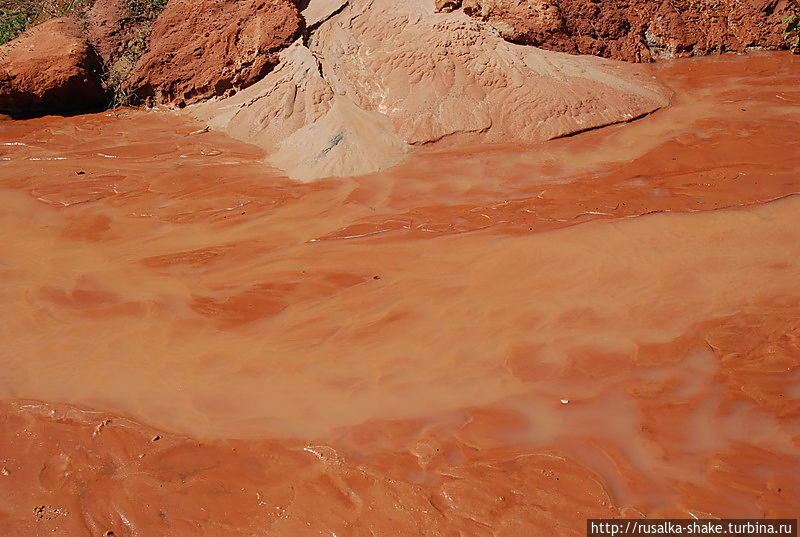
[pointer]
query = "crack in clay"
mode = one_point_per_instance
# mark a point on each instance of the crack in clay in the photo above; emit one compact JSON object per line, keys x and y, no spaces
{"x":311,"y":28}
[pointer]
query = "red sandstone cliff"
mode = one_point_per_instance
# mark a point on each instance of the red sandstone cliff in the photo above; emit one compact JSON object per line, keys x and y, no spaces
{"x":198,"y":50}
{"x":50,"y":69}
{"x":203,"y":49}
{"x":634,"y":30}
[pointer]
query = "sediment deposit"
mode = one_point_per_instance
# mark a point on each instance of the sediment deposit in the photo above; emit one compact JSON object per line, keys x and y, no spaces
{"x":202,"y":49}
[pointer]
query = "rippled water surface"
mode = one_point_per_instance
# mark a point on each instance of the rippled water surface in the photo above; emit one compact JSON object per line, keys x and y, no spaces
{"x":619,"y":308}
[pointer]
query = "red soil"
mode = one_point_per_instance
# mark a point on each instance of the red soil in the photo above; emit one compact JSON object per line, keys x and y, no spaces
{"x":506,"y":372}
{"x":203,"y":49}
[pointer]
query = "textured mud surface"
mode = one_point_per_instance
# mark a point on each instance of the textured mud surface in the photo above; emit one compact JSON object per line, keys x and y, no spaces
{"x":203,"y":49}
{"x":498,"y":341}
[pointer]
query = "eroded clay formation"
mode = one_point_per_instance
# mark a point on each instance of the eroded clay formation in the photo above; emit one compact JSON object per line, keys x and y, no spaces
{"x":376,"y":78}
{"x":347,"y":87}
{"x":363,"y":84}
{"x":634,"y":31}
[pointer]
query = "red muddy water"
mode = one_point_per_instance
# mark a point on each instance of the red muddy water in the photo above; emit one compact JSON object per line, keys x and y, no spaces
{"x":483,"y":341}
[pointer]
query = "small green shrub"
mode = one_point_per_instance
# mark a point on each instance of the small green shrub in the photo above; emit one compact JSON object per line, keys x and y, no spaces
{"x":792,"y":33}
{"x":147,"y":9}
{"x":13,"y":21}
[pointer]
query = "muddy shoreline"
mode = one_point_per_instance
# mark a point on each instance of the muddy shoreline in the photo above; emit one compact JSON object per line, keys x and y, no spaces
{"x":502,"y":340}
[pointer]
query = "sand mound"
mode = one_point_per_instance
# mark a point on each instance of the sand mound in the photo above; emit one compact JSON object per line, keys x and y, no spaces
{"x":374,"y":78}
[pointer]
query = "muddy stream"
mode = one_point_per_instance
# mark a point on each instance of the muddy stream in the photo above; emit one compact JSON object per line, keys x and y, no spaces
{"x":492,"y":340}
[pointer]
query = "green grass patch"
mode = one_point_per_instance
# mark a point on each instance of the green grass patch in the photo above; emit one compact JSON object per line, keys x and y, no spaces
{"x":13,"y":21}
{"x":792,"y":33}
{"x":16,"y":16}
